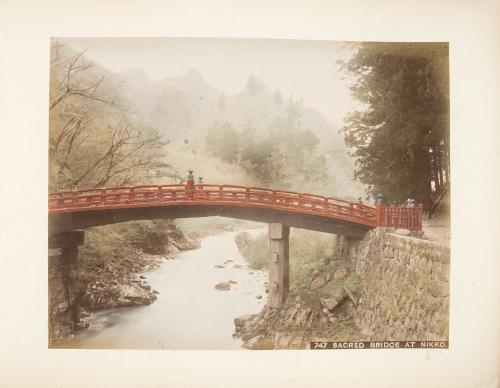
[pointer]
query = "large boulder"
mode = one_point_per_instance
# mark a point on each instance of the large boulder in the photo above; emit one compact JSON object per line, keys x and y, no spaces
{"x":172,"y":250}
{"x":330,"y":303}
{"x":136,"y":294}
{"x":318,"y":282}
{"x":122,"y":302}
{"x":254,"y":342}
{"x":186,"y":243}
{"x":130,"y":291}
{"x":339,"y":274}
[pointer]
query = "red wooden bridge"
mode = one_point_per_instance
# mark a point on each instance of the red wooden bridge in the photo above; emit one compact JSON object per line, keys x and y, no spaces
{"x":78,"y":209}
{"x":70,"y":211}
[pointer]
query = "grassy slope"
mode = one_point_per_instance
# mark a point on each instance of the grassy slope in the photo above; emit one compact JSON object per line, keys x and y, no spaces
{"x":310,"y":252}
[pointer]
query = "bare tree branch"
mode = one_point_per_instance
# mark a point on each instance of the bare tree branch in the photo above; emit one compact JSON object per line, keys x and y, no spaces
{"x":69,"y":86}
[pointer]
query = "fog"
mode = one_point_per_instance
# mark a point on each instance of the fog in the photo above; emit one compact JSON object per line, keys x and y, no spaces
{"x":305,"y":68}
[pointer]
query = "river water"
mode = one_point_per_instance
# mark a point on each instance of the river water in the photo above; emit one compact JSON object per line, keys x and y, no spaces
{"x":189,"y":312}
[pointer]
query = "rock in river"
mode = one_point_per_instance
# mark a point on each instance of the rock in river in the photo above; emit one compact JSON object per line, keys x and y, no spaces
{"x":223,"y":286}
{"x":136,"y":294}
{"x":240,"y":321}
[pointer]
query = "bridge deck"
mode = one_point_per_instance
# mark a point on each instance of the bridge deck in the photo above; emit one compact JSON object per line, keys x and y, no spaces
{"x":84,"y":208}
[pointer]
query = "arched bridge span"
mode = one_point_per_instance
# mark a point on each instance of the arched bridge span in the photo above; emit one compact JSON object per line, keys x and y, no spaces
{"x":79,"y":209}
{"x":70,"y":211}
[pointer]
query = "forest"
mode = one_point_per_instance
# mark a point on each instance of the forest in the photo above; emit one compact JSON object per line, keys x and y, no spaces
{"x":400,"y":138}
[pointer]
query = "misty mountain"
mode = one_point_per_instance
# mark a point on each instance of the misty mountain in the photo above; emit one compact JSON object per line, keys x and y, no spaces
{"x":178,"y":107}
{"x":187,"y":106}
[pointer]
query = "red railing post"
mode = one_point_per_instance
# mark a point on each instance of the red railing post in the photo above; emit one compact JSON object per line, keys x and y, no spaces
{"x":200,"y":194}
{"x":199,"y":189}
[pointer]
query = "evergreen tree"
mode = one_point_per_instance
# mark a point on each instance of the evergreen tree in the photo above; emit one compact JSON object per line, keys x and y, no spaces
{"x":278,"y":98}
{"x":400,"y":137}
{"x":223,"y":142}
{"x":222,"y":103}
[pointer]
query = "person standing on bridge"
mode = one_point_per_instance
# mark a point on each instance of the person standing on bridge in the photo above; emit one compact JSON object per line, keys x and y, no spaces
{"x":199,"y":188}
{"x":190,"y":185}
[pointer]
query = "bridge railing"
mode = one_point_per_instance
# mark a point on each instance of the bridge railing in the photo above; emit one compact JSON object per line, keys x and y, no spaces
{"x":403,"y":217}
{"x":136,"y":196}
{"x":117,"y":197}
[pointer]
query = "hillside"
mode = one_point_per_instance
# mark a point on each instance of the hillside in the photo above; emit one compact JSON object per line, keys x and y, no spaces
{"x":264,"y":138}
{"x":186,"y":107}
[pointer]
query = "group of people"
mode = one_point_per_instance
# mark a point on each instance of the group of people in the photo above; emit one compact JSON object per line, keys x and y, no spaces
{"x":190,"y":183}
{"x":410,"y":202}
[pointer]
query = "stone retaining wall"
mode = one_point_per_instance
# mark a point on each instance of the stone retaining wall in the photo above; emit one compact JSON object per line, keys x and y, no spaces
{"x":405,"y":286}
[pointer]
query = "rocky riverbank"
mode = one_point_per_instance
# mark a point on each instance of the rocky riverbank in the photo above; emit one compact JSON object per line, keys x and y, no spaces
{"x":122,"y":284}
{"x":389,"y":285}
{"x":112,"y":289}
{"x":297,"y":324}
{"x":322,"y":299}
{"x":75,"y":294}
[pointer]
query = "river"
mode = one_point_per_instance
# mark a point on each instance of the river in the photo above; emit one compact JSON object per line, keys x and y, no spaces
{"x":189,"y":312}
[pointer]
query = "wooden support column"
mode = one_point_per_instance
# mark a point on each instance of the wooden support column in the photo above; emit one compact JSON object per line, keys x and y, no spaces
{"x":278,"y":264}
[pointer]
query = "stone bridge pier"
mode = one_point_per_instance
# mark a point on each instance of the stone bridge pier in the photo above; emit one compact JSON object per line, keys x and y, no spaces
{"x":66,"y":289}
{"x":279,"y":277}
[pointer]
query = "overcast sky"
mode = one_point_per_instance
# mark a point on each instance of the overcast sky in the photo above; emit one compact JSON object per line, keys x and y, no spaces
{"x":305,"y":68}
